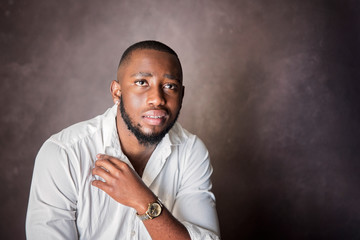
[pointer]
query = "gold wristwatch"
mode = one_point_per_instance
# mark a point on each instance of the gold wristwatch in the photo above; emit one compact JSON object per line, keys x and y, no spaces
{"x":154,"y":210}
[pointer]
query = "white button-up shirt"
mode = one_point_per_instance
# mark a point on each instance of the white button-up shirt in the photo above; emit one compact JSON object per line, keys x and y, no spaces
{"x":64,"y":205}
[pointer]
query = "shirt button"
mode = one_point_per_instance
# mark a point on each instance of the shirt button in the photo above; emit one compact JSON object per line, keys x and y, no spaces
{"x":132,"y":233}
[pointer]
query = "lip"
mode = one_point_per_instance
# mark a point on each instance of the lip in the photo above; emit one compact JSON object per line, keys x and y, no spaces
{"x":155,"y":117}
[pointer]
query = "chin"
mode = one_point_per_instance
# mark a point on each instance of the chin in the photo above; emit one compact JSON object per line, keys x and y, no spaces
{"x":152,"y":131}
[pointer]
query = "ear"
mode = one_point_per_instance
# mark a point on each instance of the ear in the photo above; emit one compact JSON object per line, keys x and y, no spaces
{"x":183,"y":93}
{"x":182,"y":96}
{"x":115,"y":91}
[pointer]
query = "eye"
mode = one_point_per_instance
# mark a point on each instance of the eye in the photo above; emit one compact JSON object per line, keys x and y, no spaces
{"x":170,"y":86}
{"x":141,"y":83}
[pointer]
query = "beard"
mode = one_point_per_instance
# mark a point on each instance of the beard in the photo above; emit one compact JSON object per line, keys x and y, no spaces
{"x":144,"y":139}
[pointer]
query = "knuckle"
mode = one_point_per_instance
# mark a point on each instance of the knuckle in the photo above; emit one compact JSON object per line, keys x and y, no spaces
{"x":110,"y":182}
{"x":123,"y":165}
{"x":99,"y":162}
{"x":96,"y":183}
{"x":117,"y":174}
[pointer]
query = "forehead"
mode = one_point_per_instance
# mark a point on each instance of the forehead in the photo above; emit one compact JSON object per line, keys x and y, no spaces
{"x":152,"y":61}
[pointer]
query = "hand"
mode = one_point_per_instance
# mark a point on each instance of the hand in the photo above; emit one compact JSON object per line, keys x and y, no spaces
{"x":122,"y":183}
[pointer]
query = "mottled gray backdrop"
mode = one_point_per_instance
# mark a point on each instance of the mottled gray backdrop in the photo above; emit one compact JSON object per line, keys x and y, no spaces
{"x":272,"y":87}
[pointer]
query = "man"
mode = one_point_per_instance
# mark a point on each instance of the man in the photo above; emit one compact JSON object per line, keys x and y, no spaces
{"x":131,"y":173}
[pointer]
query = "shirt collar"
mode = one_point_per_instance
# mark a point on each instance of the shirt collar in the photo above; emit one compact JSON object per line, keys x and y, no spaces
{"x":111,"y":138}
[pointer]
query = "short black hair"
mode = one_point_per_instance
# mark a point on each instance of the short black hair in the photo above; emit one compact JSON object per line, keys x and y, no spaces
{"x":148,"y":44}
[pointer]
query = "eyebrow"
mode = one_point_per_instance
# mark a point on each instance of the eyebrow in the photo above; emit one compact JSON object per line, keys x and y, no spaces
{"x":142,"y":74}
{"x":172,"y":77}
{"x":147,"y":74}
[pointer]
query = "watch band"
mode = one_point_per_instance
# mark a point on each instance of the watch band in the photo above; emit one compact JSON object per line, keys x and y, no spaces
{"x":154,"y":210}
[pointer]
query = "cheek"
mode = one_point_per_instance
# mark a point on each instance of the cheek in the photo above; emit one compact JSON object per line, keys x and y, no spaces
{"x":137,"y":101}
{"x":133,"y":103}
{"x":174,"y":104}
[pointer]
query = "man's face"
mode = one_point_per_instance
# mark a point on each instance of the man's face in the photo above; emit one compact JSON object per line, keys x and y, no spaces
{"x":151,"y":94}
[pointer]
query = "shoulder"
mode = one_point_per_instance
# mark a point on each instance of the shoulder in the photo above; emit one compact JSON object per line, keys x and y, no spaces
{"x":186,"y":140}
{"x":82,"y":130}
{"x":194,"y":160}
{"x":179,"y":135}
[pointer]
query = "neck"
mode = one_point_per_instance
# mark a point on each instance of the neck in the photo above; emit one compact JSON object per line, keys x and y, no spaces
{"x":137,"y":153}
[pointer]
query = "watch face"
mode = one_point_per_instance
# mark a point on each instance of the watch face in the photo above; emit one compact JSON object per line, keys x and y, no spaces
{"x":154,"y":209}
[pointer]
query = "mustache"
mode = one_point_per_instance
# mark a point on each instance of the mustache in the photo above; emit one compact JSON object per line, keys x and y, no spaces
{"x":152,"y":107}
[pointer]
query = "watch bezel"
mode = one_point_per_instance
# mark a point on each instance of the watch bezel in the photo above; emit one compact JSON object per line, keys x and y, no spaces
{"x":154,"y":209}
{"x":157,"y":205}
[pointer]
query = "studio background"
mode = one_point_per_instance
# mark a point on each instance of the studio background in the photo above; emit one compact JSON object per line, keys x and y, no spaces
{"x":272,"y":88}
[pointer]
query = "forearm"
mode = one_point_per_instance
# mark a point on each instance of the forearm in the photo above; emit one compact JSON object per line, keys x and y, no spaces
{"x":166,"y":226}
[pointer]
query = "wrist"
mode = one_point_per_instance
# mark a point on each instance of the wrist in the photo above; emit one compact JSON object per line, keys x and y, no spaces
{"x":144,"y":204}
{"x":154,"y":210}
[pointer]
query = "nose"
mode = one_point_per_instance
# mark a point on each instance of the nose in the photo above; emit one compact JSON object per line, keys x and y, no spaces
{"x":156,"y":96}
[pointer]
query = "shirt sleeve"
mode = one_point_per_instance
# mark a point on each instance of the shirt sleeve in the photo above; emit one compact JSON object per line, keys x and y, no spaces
{"x":51,"y":210}
{"x":195,"y":203}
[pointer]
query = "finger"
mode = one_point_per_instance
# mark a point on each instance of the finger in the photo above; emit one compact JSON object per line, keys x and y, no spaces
{"x":118,"y":163}
{"x":103,"y":156}
{"x":115,"y":161}
{"x":99,"y":171}
{"x":106,"y":164}
{"x":102,"y":185}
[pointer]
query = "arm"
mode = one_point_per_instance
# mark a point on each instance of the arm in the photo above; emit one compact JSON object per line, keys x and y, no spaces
{"x":124,"y":185}
{"x":52,"y":202}
{"x":195,"y":203}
